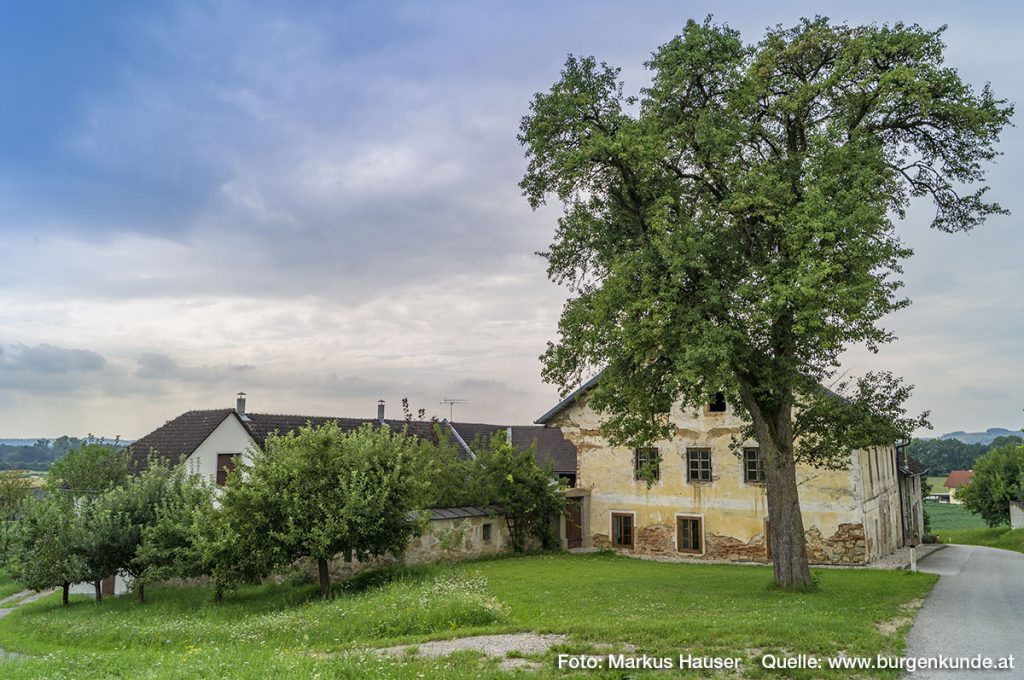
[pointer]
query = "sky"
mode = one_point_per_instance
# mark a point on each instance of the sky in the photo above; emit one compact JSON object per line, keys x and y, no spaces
{"x":316,"y":203}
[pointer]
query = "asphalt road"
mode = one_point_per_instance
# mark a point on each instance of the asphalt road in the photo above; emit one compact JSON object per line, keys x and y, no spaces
{"x":977,"y":607}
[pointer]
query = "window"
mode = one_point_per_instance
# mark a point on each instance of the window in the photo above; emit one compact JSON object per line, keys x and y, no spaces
{"x":718,"y":405}
{"x":487,"y":533}
{"x":753,"y":471}
{"x":622,"y":530}
{"x":698,"y":463}
{"x":225,"y":464}
{"x":646,"y":459}
{"x":688,"y":534}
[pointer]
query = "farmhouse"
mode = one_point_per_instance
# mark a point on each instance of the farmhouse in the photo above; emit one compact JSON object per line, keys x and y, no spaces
{"x":707,"y":502}
{"x":212,"y":441}
{"x":956,"y":480}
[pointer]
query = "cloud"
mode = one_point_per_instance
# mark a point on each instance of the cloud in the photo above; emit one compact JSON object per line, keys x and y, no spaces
{"x":156,"y":366}
{"x":982,"y":393}
{"x":49,"y":359}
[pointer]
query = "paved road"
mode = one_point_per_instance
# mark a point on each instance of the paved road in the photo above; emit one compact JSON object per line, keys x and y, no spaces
{"x":977,"y":607}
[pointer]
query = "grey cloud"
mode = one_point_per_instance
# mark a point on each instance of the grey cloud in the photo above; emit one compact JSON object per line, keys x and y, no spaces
{"x":157,"y":366}
{"x":47,"y":358}
{"x":982,"y":393}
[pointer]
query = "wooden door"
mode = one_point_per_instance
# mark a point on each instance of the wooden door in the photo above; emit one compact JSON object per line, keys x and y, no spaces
{"x":574,"y":523}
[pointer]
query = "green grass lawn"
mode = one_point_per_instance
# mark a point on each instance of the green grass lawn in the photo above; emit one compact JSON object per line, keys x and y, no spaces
{"x":946,"y":516}
{"x":937,"y":483}
{"x":999,"y":537}
{"x":661,"y":608}
{"x":7,"y":586}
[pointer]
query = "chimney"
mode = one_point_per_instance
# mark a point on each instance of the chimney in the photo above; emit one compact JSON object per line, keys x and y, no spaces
{"x":380,"y":411}
{"x":240,"y":406}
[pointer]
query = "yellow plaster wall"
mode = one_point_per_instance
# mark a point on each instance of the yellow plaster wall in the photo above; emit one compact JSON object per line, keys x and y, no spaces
{"x":834,"y":503}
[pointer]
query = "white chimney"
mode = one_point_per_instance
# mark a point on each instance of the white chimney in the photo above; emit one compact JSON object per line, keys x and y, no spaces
{"x":240,"y":406}
{"x":380,"y":411}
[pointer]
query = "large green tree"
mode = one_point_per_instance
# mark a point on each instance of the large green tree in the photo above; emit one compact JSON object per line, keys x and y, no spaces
{"x":998,"y":479}
{"x":731,"y":229}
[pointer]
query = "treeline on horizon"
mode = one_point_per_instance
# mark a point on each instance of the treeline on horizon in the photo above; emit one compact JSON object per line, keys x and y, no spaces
{"x":39,"y":455}
{"x":942,"y":456}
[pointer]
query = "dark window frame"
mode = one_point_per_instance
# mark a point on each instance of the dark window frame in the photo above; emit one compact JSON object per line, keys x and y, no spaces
{"x":629,"y":519}
{"x":485,"y":532}
{"x":641,"y":456}
{"x":752,"y":465}
{"x":718,"y":405}
{"x":694,"y":533}
{"x":698,"y":464}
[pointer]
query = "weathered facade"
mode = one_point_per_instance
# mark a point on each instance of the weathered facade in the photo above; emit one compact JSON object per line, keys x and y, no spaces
{"x":707,"y":501}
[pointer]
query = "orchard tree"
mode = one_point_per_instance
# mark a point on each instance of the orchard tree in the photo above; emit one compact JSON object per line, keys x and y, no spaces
{"x":731,"y":230}
{"x":15,"y":488}
{"x":89,"y":470}
{"x":319,"y":492}
{"x":46,"y":548}
{"x":529,"y":496}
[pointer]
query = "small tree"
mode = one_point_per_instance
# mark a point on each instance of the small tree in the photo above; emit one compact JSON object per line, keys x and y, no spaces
{"x":171,"y":545}
{"x":46,"y":548}
{"x":528,"y":494}
{"x":998,"y":479}
{"x":14,"y":490}
{"x":321,"y":492}
{"x":451,"y":540}
{"x":125,"y":513}
{"x":90,"y":470}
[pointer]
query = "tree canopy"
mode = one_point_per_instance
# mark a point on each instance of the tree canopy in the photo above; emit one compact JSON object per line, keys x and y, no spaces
{"x":731,"y":229}
{"x":319,"y":492}
{"x":998,"y":479}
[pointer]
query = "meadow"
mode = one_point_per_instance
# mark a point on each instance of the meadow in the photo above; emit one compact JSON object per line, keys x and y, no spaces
{"x":602,"y":602}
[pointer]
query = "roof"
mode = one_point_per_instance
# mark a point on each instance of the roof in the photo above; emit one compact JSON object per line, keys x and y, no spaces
{"x":909,"y":465}
{"x":568,"y":401}
{"x":552,"y":446}
{"x":464,"y":512}
{"x":179,"y":437}
{"x":958,"y":478}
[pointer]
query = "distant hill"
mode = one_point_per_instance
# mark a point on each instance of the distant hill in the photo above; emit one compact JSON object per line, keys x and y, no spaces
{"x":985,"y":437}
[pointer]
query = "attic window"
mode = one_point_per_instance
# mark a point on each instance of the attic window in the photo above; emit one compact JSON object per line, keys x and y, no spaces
{"x":225,"y":464}
{"x":717,"y":405}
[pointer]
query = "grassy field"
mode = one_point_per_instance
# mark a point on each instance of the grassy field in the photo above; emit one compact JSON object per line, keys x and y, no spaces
{"x":937,"y":483}
{"x":597,"y":599}
{"x":999,"y":537}
{"x":7,"y":586}
{"x":948,"y":516}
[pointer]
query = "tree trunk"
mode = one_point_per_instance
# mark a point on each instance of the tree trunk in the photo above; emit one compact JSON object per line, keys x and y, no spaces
{"x":774,"y":431}
{"x":142,"y":593}
{"x":67,"y":590}
{"x":99,"y":590}
{"x":218,"y":594}
{"x":325,"y":578}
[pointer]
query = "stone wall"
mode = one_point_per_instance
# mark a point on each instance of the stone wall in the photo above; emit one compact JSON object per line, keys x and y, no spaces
{"x":426,"y":548}
{"x":845,"y":546}
{"x":1016,"y":515}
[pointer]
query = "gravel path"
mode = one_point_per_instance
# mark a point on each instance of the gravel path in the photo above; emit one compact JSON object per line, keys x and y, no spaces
{"x":491,"y":645}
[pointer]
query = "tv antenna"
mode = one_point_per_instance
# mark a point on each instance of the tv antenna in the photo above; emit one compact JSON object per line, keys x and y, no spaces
{"x":451,"y":406}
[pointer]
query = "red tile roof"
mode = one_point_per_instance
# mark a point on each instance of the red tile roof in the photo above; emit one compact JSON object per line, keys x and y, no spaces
{"x":958,"y":478}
